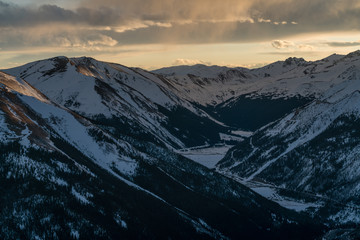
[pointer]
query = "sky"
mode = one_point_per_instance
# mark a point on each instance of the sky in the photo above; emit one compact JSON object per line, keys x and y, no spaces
{"x":158,"y":33}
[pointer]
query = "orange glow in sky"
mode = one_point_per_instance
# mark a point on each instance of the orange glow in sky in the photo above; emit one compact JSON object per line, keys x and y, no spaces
{"x":158,"y":33}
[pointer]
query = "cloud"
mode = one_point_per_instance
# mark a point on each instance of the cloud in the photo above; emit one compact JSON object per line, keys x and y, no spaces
{"x":114,"y":13}
{"x":181,"y":61}
{"x":12,"y":15}
{"x":292,"y":53}
{"x":305,"y":47}
{"x":261,"y":20}
{"x":343,"y":44}
{"x":281,"y":44}
{"x":284,"y":45}
{"x":255,"y":65}
{"x":319,"y":15}
{"x":164,"y":10}
{"x":102,"y":40}
{"x":132,"y":26}
{"x":56,"y":36}
{"x":128,"y":22}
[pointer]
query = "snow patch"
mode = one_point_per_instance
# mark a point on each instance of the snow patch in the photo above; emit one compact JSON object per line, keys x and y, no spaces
{"x":80,"y":197}
{"x":74,"y":234}
{"x":77,"y":134}
{"x":347,"y":216}
{"x":208,"y":156}
{"x":227,"y":137}
{"x":242,"y":133}
{"x":120,"y":221}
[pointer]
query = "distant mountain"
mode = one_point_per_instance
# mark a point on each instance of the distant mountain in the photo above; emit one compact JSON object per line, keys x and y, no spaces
{"x":249,"y":99}
{"x":213,"y":85}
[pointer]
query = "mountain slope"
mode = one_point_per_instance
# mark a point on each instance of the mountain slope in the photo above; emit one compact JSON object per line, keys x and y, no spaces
{"x":65,"y":177}
{"x":249,"y":99}
{"x":315,"y":149}
{"x":208,"y":85}
{"x":119,"y":97}
{"x":213,"y":85}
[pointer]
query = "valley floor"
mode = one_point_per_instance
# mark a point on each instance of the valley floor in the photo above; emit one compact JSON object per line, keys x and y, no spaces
{"x":210,"y":156}
{"x":271,"y":192}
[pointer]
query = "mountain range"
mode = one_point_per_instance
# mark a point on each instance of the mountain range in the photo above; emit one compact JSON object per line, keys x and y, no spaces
{"x":91,"y":149}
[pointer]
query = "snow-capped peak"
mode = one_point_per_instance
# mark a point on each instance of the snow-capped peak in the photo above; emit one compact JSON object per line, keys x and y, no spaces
{"x":294,"y":61}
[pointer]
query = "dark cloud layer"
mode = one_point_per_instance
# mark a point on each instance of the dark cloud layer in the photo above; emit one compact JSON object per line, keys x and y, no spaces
{"x":343,"y":44}
{"x":319,"y":15}
{"x":17,"y":16}
{"x":173,"y":21}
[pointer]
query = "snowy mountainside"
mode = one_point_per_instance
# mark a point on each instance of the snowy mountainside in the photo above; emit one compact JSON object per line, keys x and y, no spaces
{"x":19,"y":85}
{"x":196,"y":70}
{"x":295,"y":76}
{"x":208,"y":85}
{"x":64,"y":177}
{"x":119,"y":96}
{"x":213,"y":85}
{"x":36,"y":116}
{"x":314,"y":149}
{"x":174,"y":106}
{"x":249,"y":99}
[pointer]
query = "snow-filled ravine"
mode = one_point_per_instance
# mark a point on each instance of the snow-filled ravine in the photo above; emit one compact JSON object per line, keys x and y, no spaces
{"x":210,"y":156}
{"x":271,"y":192}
